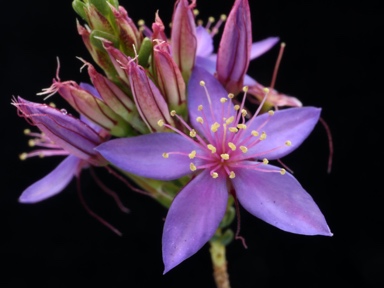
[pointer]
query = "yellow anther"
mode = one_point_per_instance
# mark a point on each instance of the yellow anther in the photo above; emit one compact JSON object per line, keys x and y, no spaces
{"x":255,"y":133}
{"x":141,"y":22}
{"x":192,"y":133}
{"x":200,"y":120}
{"x":27,"y":131}
{"x":192,"y":154}
{"x":288,"y":143}
{"x":224,"y":156}
{"x":200,"y":107}
{"x":243,"y":149}
{"x":31,"y":143}
{"x":212,"y":148}
{"x":202,"y":83}
{"x":200,"y":22}
{"x":241,"y":126}
{"x":271,"y":112}
{"x":223,"y":100}
{"x":211,"y":19}
{"x":232,"y":146}
{"x":265,"y":161}
{"x":236,"y":107}
{"x":165,"y":155}
{"x":243,"y":112}
{"x":223,"y":17}
{"x":232,"y":175}
{"x":214,"y":175}
{"x":192,"y":167}
{"x":233,"y":129}
{"x":215,"y":126}
{"x":245,"y":89}
{"x":266,"y":90}
{"x":195,"y":12}
{"x":231,"y":95}
{"x":282,"y":171}
{"x":160,"y":122}
{"x":53,"y":105}
{"x":23,"y":156}
{"x":173,"y":113}
{"x":229,"y":120}
{"x":263,"y":136}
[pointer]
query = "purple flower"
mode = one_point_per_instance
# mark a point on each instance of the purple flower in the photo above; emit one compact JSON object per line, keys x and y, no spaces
{"x":222,"y":152}
{"x":62,"y":134}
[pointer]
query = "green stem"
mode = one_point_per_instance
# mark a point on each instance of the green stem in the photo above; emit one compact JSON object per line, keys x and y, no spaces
{"x":220,"y":272}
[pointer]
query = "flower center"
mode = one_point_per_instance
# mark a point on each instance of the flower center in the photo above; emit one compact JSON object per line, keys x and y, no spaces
{"x":227,"y":140}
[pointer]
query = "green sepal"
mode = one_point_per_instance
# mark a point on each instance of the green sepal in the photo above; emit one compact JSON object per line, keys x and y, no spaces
{"x":96,"y":42}
{"x":79,"y":7}
{"x":145,"y":52}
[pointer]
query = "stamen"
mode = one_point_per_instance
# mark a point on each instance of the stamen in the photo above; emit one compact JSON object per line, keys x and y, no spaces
{"x":31,"y":142}
{"x":236,"y":107}
{"x":200,"y":120}
{"x":232,"y":146}
{"x":223,"y":100}
{"x":27,"y":131}
{"x":271,"y":112}
{"x":192,"y":154}
{"x":263,"y":136}
{"x":202,"y":83}
{"x":241,"y":126}
{"x":265,"y":161}
{"x":200,"y":108}
{"x":192,"y":167}
{"x":165,"y":155}
{"x":173,"y":113}
{"x":196,"y":12}
{"x":243,"y":149}
{"x":215,"y":126}
{"x":282,"y":171}
{"x":192,"y":133}
{"x":232,"y":175}
{"x":212,"y":148}
{"x":225,"y":156}
{"x":288,"y":143}
{"x":214,"y":175}
{"x":243,"y":112}
{"x":233,"y":129}
{"x":229,"y":120}
{"x":160,"y":122}
{"x":231,"y":95}
{"x":23,"y":156}
{"x":255,"y":133}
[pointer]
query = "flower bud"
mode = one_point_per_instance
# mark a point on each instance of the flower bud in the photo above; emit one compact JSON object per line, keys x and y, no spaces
{"x":148,"y":98}
{"x":183,"y":37}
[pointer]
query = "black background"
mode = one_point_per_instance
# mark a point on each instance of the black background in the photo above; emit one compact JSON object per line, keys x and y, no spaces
{"x":333,"y":60}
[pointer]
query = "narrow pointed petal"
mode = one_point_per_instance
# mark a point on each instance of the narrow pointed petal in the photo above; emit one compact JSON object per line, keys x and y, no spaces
{"x":148,"y":98}
{"x":143,"y":155}
{"x":198,"y":96}
{"x":193,"y":218}
{"x":169,"y":78}
{"x":275,"y":98}
{"x":291,"y":124}
{"x":204,"y":42}
{"x":183,"y":37}
{"x":206,"y":63}
{"x":262,"y":46}
{"x":279,"y":200}
{"x":53,"y":183}
{"x":234,"y":51}
{"x":68,"y":132}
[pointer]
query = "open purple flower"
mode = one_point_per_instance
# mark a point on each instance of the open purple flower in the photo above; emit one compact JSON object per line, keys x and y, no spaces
{"x":62,"y":134}
{"x":223,"y":152}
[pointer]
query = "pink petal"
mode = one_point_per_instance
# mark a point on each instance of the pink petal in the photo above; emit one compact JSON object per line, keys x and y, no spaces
{"x":262,"y":46}
{"x":53,"y":183}
{"x":278,"y":200}
{"x":193,"y":218}
{"x":143,"y":155}
{"x":293,"y":124}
